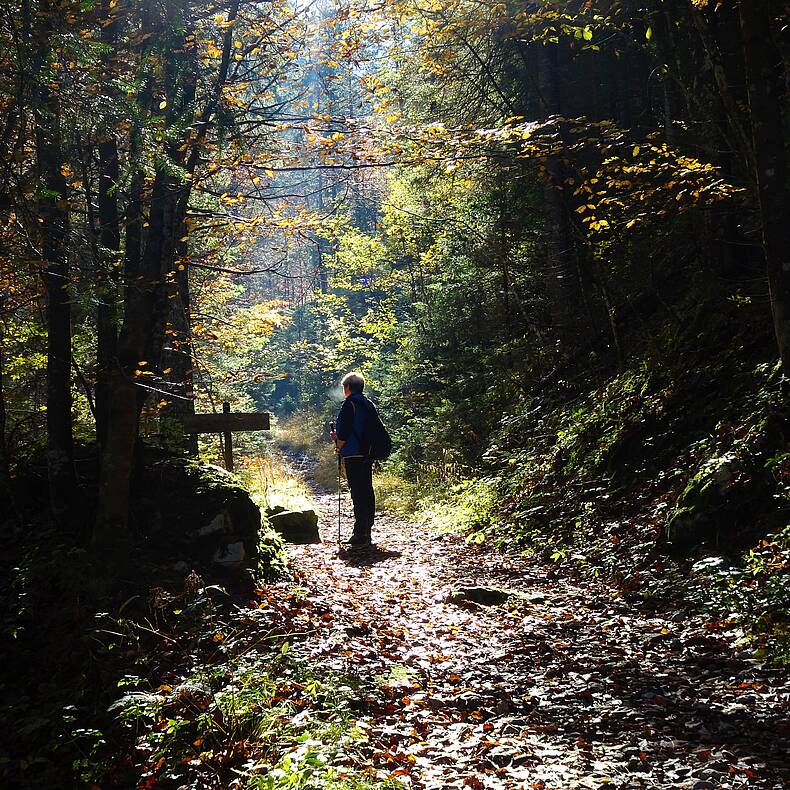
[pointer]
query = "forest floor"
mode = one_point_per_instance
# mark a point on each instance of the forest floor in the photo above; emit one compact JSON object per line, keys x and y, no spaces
{"x":563,"y":685}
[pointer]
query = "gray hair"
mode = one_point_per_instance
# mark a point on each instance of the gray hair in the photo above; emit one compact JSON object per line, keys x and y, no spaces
{"x":354,"y":381}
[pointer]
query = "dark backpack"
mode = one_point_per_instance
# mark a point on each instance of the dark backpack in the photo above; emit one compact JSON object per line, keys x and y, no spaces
{"x":376,"y":438}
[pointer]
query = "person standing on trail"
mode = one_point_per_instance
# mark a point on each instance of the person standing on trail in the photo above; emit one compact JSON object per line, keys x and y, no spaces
{"x":352,"y":438}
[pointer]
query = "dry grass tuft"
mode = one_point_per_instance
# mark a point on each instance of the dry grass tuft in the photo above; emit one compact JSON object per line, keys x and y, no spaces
{"x":272,"y":484}
{"x":301,"y":432}
{"x":395,"y":493}
{"x":304,"y":433}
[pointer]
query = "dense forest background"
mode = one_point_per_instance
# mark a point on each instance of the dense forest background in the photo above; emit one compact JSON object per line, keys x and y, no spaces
{"x":553,"y":236}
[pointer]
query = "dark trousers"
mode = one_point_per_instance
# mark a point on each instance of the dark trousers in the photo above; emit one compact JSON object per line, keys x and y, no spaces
{"x":359,"y":473}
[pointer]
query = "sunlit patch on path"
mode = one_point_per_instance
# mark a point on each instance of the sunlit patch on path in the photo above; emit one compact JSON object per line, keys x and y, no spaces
{"x":560,"y":686}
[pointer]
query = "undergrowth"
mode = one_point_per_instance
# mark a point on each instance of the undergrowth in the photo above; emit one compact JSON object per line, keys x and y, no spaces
{"x":245,"y":712}
{"x":670,"y":479}
{"x":163,"y":670}
{"x":170,"y":686}
{"x":306,"y":434}
{"x":271,"y":485}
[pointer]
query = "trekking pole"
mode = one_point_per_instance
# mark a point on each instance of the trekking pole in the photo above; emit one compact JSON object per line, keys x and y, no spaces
{"x":339,"y":462}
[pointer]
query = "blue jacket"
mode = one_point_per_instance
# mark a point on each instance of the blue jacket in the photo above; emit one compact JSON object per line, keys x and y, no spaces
{"x":351,"y":424}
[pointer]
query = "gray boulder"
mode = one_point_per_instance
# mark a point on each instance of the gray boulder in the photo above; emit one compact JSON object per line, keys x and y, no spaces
{"x":724,"y":503}
{"x":296,"y":526}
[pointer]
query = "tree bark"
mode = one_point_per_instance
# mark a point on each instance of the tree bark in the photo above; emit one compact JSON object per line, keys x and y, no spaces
{"x":561,"y":279}
{"x":106,"y":313}
{"x":146,"y":272}
{"x":54,"y":215}
{"x":5,"y":466}
{"x":731,"y":114}
{"x":110,"y":535}
{"x":177,"y":359}
{"x":110,"y":245}
{"x":765,"y":82}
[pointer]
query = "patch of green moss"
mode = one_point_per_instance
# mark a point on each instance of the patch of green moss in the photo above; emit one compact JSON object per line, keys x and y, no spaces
{"x":602,"y":434}
{"x":178,"y":496}
{"x":694,"y":519}
{"x":735,"y":493}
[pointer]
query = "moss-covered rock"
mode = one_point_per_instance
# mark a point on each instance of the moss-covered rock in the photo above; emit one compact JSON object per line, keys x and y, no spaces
{"x":197,"y":513}
{"x":693,"y":521}
{"x":719,"y":504}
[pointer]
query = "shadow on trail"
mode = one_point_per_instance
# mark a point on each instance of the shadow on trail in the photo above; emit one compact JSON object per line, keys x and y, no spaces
{"x":366,"y":558}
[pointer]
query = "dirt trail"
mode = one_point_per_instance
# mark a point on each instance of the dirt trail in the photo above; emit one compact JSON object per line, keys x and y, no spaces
{"x":562,"y":686}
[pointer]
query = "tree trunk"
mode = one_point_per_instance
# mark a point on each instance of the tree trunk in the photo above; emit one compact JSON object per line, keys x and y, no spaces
{"x":145,"y":277}
{"x":110,"y":533}
{"x":5,"y":466}
{"x":765,"y":82}
{"x":106,"y":314}
{"x":177,"y":359}
{"x":561,"y":280}
{"x":110,"y":243}
{"x":54,"y":215}
{"x":734,"y":119}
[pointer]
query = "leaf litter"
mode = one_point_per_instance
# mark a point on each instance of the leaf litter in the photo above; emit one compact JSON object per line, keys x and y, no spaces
{"x":561,"y":685}
{"x":394,"y":666}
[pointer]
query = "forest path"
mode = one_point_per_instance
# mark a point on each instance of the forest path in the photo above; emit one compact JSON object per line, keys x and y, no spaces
{"x":562,"y":686}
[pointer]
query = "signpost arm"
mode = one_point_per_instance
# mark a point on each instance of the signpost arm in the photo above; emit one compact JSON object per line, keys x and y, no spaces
{"x":228,"y":440}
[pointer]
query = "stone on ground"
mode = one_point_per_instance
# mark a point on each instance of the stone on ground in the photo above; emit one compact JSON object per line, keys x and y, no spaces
{"x":486,"y":596}
{"x":296,"y":526}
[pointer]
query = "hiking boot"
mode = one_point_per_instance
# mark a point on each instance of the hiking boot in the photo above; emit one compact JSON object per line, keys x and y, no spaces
{"x":358,"y":540}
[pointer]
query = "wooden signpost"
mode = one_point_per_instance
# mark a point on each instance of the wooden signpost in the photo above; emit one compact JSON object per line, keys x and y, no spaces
{"x":226,"y":423}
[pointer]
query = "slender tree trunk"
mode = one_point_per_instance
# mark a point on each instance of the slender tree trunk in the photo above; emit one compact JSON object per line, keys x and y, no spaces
{"x":561,"y":279}
{"x":106,"y":314}
{"x":110,"y":243}
{"x":5,"y":466}
{"x":54,"y":215}
{"x":733,"y":117}
{"x":502,"y":253}
{"x":559,"y":253}
{"x":765,"y":83}
{"x":177,"y":360}
{"x":610,"y":312}
{"x":318,"y":250}
{"x":159,"y":261}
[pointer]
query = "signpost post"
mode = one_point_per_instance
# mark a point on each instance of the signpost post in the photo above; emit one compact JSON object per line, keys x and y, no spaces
{"x":226,"y":423}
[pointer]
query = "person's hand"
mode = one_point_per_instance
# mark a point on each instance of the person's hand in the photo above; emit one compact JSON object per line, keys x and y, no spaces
{"x":333,"y":435}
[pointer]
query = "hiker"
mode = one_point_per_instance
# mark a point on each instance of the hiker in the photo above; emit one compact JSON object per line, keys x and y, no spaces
{"x":352,"y":437}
